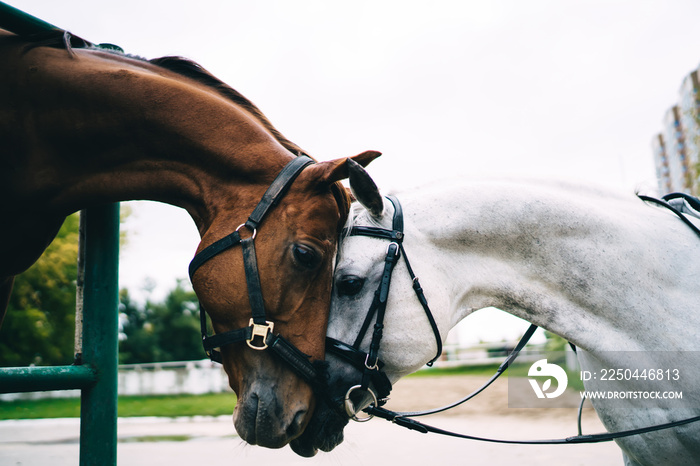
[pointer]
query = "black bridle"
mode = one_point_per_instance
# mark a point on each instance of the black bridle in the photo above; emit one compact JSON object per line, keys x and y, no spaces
{"x":369,"y":363}
{"x":259,"y":333}
{"x":405,"y":419}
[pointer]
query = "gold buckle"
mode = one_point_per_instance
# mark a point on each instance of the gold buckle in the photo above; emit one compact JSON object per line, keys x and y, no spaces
{"x":260,"y":330}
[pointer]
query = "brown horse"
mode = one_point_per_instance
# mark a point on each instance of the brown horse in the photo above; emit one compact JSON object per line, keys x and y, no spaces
{"x":80,"y":126}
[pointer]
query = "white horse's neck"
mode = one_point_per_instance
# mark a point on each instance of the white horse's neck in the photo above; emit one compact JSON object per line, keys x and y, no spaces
{"x":606,"y":272}
{"x":598,"y":269}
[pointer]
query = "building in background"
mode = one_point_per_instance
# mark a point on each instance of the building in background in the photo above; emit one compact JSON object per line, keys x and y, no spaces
{"x":663,"y":174}
{"x":676,"y":150}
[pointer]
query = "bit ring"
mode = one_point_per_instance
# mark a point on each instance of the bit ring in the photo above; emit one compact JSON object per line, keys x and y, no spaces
{"x":350,"y":407}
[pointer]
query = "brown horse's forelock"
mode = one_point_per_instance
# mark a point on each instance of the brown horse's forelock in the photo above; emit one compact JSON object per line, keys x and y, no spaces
{"x":343,"y":199}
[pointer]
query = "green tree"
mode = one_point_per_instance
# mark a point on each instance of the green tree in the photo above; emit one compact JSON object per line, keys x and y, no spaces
{"x":554,"y":342}
{"x":40,"y":324}
{"x":138,"y":342}
{"x":176,"y":322}
{"x":157,"y":332}
{"x":39,"y":327}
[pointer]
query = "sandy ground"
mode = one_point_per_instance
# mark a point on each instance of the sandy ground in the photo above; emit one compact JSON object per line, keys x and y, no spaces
{"x":212,"y":441}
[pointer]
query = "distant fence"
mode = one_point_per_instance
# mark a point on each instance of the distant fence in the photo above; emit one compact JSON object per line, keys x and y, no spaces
{"x":173,"y":378}
{"x":495,"y":353}
{"x":164,"y":378}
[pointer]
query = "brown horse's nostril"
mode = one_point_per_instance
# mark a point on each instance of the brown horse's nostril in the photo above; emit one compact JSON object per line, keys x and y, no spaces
{"x":262,"y":419}
{"x":297,"y":424}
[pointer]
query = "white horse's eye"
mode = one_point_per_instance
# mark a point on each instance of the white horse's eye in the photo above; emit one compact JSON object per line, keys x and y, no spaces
{"x":349,"y":285}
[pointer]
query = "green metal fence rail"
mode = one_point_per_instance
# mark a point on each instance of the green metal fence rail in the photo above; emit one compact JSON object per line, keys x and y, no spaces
{"x":19,"y":22}
{"x":95,"y":369}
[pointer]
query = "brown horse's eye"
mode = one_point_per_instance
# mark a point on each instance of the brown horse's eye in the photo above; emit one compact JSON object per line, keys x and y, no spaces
{"x":305,"y":256}
{"x":350,"y":285}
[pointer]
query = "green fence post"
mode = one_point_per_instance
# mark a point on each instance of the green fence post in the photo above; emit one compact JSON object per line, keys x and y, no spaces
{"x":98,"y":405}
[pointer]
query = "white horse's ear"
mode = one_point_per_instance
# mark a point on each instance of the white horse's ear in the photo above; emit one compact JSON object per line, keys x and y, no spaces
{"x":364,"y":189}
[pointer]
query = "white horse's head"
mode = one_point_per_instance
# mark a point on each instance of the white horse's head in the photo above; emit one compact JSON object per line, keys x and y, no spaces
{"x":408,"y":340}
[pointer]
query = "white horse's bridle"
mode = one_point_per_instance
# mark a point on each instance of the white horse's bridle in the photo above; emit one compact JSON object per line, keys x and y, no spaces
{"x":369,"y":363}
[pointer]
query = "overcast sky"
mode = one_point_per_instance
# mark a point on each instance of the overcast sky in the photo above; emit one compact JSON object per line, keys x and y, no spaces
{"x":566,"y":89}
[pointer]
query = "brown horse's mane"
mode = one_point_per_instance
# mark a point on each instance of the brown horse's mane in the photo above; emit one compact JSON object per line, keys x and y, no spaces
{"x":63,"y":39}
{"x":193,"y":70}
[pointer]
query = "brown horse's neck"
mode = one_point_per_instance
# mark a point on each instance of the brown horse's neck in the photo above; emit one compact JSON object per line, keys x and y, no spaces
{"x":96,"y":127}
{"x":83,"y":127}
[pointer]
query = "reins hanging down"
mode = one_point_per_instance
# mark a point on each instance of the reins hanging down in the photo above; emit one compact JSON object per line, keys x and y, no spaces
{"x":412,"y":424}
{"x":404,"y":419}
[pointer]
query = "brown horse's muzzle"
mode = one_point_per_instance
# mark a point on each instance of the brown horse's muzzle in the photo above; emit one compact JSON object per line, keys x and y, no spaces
{"x":274,"y":404}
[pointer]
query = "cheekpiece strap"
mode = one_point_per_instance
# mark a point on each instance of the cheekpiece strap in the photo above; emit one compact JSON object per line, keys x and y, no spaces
{"x":252,"y":278}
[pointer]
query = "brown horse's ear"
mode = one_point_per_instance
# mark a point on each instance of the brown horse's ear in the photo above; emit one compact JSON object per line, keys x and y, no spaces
{"x":336,"y":170}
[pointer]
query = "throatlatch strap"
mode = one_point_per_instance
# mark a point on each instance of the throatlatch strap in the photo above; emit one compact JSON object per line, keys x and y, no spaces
{"x":396,"y":234}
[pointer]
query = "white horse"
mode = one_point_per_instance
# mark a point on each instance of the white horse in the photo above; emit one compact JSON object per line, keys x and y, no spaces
{"x":607,"y":272}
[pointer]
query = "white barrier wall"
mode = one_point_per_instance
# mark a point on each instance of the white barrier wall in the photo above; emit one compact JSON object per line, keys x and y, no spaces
{"x":191,"y":377}
{"x":166,"y":378}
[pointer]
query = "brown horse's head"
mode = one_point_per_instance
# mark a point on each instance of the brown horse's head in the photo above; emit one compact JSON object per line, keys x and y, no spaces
{"x":295,"y":249}
{"x":107,"y":127}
